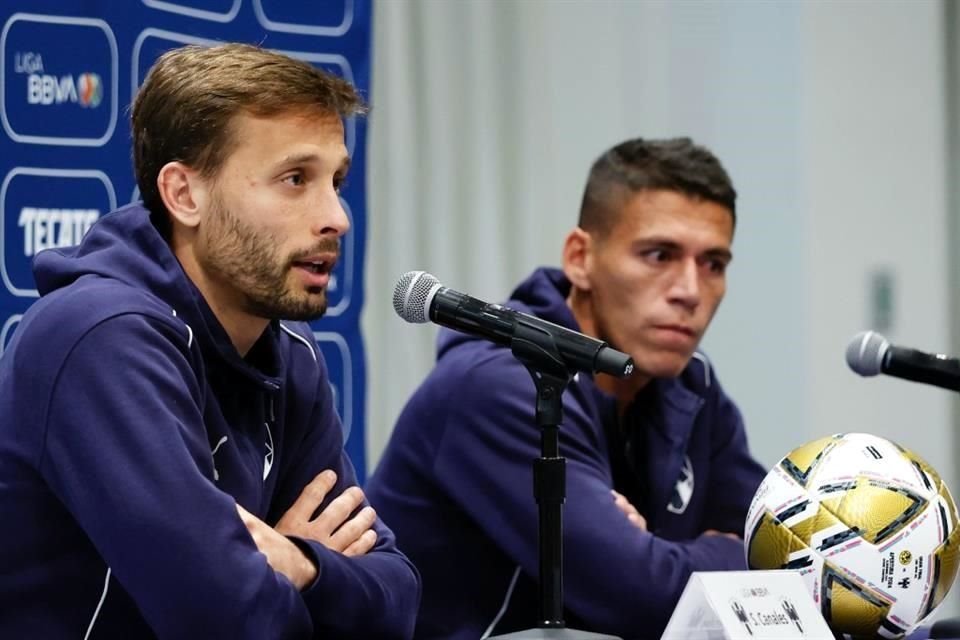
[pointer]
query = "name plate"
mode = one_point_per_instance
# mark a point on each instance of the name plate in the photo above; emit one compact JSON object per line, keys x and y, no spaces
{"x":746,"y":605}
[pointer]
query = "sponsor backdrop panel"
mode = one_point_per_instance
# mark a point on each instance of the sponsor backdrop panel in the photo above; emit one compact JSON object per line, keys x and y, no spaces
{"x":68,"y":72}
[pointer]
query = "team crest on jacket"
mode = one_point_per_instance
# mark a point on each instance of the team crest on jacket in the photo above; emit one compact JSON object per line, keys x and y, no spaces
{"x":683,"y":490}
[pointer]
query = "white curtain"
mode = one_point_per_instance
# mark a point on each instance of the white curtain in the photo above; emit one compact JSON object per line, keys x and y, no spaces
{"x":460,"y":159}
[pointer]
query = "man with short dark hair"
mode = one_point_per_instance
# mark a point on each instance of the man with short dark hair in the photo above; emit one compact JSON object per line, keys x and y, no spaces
{"x":658,"y":475}
{"x":171,"y":463}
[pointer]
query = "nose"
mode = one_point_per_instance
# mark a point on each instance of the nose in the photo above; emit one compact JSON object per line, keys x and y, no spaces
{"x":331,"y":217}
{"x":685,"y":287}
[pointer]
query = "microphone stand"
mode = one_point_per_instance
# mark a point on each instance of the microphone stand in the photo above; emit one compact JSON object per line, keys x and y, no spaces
{"x":538,"y":352}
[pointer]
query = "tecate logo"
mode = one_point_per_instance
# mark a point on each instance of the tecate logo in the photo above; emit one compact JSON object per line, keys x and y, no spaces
{"x":52,"y":228}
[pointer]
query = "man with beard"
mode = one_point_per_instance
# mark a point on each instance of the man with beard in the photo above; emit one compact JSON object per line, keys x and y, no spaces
{"x":171,"y":464}
{"x":658,"y":475}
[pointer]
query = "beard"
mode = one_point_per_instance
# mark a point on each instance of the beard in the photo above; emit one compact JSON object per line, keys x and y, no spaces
{"x":245,"y":259}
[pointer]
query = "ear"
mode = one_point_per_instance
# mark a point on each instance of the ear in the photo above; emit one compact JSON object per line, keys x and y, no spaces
{"x":183,"y":191}
{"x":578,"y":258}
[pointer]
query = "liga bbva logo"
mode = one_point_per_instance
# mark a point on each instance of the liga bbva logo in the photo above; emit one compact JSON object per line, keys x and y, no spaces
{"x":59,"y":80}
{"x":85,"y":89}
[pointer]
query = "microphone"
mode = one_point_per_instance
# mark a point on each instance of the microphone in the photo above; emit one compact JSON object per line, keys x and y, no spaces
{"x":869,"y":353}
{"x":419,"y":297}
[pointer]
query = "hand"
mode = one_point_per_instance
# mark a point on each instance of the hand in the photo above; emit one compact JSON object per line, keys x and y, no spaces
{"x":333,"y":528}
{"x":283,"y":556}
{"x":714,"y":532}
{"x":629,"y":510}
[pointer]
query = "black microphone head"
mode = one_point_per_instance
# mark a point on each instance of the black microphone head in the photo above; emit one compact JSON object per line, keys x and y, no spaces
{"x":413,"y":294}
{"x":866,"y":351}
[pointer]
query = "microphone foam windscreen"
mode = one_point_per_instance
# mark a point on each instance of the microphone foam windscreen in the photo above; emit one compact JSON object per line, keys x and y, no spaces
{"x":412,"y":296}
{"x":866,"y":351}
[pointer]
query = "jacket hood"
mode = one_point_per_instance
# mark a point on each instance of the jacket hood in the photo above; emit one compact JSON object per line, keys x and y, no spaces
{"x":126,"y":247}
{"x":543,"y":294}
{"x":115,"y":247}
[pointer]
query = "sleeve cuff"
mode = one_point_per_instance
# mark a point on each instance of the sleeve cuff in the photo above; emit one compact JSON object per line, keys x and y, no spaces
{"x":312,"y":554}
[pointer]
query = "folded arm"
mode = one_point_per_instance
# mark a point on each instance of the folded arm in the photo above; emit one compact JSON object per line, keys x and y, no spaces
{"x":125,"y":451}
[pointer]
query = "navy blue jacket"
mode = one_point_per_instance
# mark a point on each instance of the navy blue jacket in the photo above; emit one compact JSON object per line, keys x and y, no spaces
{"x":131,"y":429}
{"x":456,"y":485}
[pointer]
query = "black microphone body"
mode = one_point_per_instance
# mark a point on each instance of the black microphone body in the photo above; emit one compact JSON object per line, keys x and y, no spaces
{"x":928,"y":368}
{"x":418,"y":292}
{"x":869,"y":354}
{"x":500,"y":324}
{"x":459,"y":311}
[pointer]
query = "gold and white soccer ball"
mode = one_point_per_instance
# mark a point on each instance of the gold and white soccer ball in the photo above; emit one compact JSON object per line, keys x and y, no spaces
{"x":870,"y":526}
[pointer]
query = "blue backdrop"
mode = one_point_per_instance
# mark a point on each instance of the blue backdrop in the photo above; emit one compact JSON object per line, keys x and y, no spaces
{"x":68,"y":72}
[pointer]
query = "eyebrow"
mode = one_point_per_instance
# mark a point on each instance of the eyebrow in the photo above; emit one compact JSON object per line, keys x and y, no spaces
{"x":665,"y":243}
{"x":306,"y":158}
{"x":724,"y":254}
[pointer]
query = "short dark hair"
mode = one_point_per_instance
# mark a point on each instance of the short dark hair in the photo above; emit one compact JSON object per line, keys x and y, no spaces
{"x":186,"y":105}
{"x":675,"y":164}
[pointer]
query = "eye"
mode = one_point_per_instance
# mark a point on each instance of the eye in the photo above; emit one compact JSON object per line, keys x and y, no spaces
{"x":656,"y":255}
{"x":339,"y":183}
{"x":295,"y":179}
{"x":717,"y":266}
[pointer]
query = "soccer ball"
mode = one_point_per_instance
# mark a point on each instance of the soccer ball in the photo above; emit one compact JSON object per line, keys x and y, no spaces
{"x":869,"y":525}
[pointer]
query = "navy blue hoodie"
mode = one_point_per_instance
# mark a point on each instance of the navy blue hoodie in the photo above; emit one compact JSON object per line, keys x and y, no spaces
{"x":131,"y":429}
{"x":456,"y":485}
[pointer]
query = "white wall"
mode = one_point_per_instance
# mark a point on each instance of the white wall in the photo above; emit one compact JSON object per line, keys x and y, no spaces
{"x":875,"y":190}
{"x":829,"y":116}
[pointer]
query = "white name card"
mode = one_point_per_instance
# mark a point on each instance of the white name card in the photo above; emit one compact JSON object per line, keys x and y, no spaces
{"x":746,"y":605}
